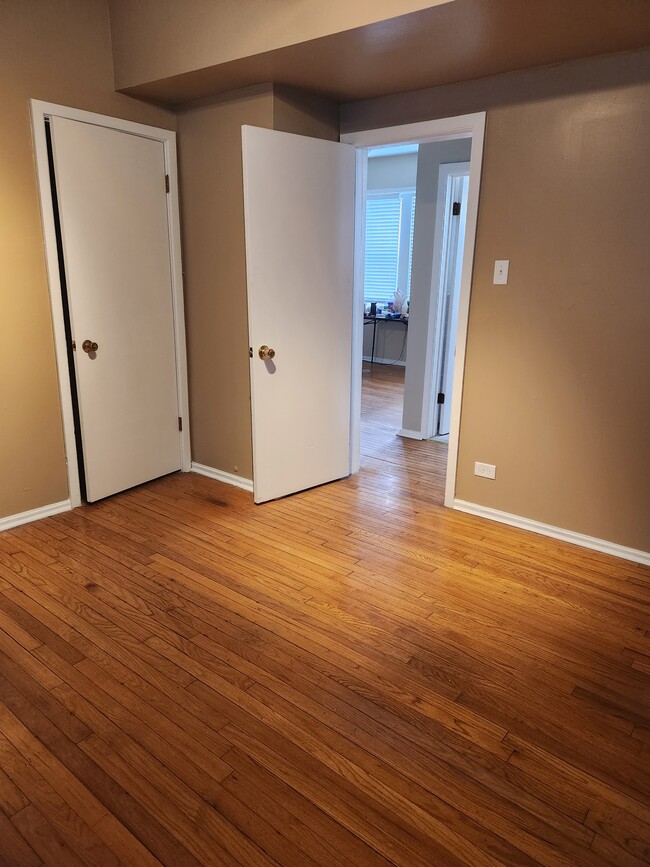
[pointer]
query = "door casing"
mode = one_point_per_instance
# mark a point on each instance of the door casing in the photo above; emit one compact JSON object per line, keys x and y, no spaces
{"x":463,"y":126}
{"x":39,"y":112}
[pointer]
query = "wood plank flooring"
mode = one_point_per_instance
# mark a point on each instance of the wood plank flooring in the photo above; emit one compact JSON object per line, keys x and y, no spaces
{"x":349,"y":676}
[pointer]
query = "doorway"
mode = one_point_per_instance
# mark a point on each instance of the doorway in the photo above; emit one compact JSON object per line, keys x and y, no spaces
{"x":423,"y":367}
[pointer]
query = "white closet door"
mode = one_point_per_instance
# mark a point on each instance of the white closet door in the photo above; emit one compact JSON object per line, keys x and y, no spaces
{"x":113,"y":213}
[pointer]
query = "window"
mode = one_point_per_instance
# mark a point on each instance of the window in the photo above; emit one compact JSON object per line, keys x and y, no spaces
{"x":390,"y":219}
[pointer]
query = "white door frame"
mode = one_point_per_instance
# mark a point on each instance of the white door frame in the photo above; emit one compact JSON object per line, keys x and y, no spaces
{"x":39,"y":112}
{"x":464,"y":126}
{"x":441,"y":255}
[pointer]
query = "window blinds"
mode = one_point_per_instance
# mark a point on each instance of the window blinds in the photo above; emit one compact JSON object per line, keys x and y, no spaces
{"x":388,"y":215}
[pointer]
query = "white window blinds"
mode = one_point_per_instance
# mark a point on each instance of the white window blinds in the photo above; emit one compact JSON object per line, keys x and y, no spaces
{"x":389,"y":224}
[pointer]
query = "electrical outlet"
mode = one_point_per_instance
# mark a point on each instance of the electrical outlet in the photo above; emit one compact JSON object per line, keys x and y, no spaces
{"x":486,"y":471}
{"x":501,"y":272}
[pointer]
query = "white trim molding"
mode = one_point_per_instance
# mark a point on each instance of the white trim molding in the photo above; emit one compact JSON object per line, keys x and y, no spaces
{"x":571,"y":536}
{"x":221,"y":476}
{"x":34,"y":515}
{"x":410,"y":434}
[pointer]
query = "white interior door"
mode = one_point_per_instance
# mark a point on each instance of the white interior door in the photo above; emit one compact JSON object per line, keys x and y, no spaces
{"x":451,"y":286}
{"x":451,"y":217}
{"x":114,"y":227}
{"x":299,"y":210}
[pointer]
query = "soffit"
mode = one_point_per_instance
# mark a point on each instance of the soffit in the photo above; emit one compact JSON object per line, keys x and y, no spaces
{"x":458,"y":41}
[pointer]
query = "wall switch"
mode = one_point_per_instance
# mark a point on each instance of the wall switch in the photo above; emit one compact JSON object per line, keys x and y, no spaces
{"x":501,"y":272}
{"x":486,"y":471}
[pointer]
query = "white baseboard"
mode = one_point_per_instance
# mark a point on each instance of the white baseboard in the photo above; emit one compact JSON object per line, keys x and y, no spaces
{"x":221,"y":476}
{"x":390,"y":361}
{"x":555,"y":532}
{"x":410,"y":434}
{"x":34,"y":515}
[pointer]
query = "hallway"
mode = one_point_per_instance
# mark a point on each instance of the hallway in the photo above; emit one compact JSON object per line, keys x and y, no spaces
{"x":403,"y":463}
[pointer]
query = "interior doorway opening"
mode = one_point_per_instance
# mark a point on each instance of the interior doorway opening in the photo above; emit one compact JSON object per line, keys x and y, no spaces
{"x":389,"y":215}
{"x":449,"y":156}
{"x":414,"y":217}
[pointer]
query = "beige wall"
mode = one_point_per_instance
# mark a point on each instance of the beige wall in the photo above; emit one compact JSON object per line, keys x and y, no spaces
{"x":556,"y":382}
{"x":57,"y":51}
{"x":154,"y":39}
{"x":214,"y":258}
{"x":305,"y":114}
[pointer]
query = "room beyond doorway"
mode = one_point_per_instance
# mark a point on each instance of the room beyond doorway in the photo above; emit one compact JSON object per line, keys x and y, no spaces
{"x":396,"y":462}
{"x":442,"y":130}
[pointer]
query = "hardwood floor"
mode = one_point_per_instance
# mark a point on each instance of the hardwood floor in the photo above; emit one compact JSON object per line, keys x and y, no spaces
{"x":349,"y":676}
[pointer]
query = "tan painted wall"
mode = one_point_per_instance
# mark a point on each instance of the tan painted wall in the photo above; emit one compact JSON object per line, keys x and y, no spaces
{"x":214,"y":258}
{"x":558,"y":361}
{"x":155,"y":39}
{"x":305,"y":114}
{"x":57,"y":51}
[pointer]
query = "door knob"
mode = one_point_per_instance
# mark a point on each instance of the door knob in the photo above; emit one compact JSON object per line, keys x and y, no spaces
{"x":265,"y":352}
{"x":89,"y":346}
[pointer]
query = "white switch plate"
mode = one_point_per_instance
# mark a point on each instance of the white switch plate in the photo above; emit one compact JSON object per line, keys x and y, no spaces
{"x":486,"y":471}
{"x":501,"y":272}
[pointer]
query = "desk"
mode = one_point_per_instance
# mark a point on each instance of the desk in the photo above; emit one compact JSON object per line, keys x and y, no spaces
{"x":374,"y":320}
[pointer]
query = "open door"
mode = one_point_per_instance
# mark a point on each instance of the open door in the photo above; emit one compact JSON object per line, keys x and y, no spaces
{"x":299,"y":213}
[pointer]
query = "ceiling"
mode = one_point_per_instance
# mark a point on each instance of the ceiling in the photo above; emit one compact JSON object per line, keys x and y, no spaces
{"x":458,"y":41}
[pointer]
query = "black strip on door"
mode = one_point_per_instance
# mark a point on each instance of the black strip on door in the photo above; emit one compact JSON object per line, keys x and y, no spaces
{"x":66,"y":311}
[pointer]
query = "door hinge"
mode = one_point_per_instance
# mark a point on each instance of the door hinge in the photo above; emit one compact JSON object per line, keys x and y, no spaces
{"x":455,"y":210}
{"x":180,"y":423}
{"x":166,"y":183}
{"x":441,"y":397}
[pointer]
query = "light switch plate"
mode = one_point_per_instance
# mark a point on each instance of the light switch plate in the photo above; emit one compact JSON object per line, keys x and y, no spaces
{"x":501,"y":272}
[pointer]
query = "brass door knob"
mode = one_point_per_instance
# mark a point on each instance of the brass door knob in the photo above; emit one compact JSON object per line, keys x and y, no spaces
{"x":89,"y":346}
{"x":265,"y":352}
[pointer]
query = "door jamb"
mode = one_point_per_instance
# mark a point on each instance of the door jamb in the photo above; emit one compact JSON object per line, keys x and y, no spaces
{"x":39,"y":112}
{"x":463,"y":126}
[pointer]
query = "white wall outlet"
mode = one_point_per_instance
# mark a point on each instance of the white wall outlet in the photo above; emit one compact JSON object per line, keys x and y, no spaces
{"x":501,"y":272}
{"x":486,"y":471}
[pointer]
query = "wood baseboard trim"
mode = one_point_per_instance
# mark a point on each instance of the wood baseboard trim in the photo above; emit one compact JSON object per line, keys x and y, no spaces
{"x":34,"y":515}
{"x":221,"y":476}
{"x":591,"y":542}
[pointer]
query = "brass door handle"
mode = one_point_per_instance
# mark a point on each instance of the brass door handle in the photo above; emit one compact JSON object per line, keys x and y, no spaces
{"x":89,"y":346}
{"x":265,"y":352}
